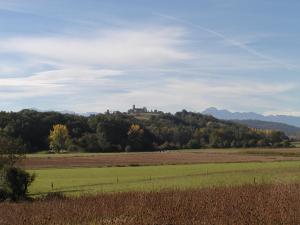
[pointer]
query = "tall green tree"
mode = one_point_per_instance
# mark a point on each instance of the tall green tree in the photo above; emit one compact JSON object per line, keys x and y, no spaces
{"x":14,"y":181}
{"x":11,"y":150}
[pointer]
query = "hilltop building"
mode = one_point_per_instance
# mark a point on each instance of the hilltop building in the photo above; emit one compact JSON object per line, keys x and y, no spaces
{"x":137,"y":110}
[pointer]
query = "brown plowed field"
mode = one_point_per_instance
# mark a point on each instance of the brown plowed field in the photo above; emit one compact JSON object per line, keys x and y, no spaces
{"x":159,"y":158}
{"x":245,"y":205}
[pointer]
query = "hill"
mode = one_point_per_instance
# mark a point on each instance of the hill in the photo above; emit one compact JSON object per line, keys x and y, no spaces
{"x":291,"y":131}
{"x":133,"y":132}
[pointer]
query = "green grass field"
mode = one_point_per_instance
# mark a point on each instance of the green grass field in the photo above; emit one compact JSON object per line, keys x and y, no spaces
{"x":296,"y":144}
{"x":146,"y":178}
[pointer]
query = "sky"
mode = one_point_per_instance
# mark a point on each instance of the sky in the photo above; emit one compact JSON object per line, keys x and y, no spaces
{"x":94,"y":55}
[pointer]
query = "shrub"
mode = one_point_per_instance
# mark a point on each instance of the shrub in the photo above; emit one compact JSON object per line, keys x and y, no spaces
{"x":15,"y":183}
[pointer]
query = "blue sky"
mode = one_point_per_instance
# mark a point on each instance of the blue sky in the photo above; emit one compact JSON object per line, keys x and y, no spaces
{"x":93,"y":55}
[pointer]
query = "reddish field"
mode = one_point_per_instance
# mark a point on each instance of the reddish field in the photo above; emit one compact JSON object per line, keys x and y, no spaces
{"x":158,"y":158}
{"x":252,"y":204}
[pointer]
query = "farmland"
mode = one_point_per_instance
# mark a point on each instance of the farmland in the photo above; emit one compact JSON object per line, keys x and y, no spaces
{"x":213,"y":186}
{"x":248,"y":204}
{"x":43,"y":160}
{"x":156,"y":171}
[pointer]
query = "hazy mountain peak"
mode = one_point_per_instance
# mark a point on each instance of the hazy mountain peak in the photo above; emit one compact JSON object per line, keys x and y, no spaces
{"x":228,"y":115}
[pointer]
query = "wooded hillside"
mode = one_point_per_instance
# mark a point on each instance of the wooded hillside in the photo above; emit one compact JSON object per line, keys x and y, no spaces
{"x":130,"y":132}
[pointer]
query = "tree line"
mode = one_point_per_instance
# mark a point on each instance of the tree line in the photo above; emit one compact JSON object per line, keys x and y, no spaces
{"x":125,"y":132}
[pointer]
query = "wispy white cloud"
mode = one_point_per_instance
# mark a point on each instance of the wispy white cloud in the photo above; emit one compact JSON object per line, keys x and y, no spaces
{"x":100,"y":89}
{"x":10,"y":6}
{"x":282,"y":112}
{"x":174,"y":94}
{"x":56,"y":82}
{"x":232,"y":41}
{"x":107,"y":48}
{"x":7,"y":69}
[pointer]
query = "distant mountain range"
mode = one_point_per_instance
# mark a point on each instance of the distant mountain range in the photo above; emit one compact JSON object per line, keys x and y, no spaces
{"x":288,"y":124}
{"x":66,"y":112}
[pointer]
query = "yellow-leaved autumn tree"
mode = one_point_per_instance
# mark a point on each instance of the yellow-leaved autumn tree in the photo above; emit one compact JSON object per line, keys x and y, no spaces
{"x":59,"y":137}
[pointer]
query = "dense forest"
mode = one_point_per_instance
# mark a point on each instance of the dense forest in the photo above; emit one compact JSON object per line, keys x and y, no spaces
{"x":130,"y":132}
{"x":291,"y":131}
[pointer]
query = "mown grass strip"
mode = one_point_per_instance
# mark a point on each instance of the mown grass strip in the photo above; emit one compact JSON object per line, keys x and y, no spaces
{"x":146,"y":178}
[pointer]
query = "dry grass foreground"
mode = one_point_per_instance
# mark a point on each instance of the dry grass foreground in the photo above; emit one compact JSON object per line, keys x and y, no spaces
{"x":160,"y":158}
{"x":251,"y":204}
